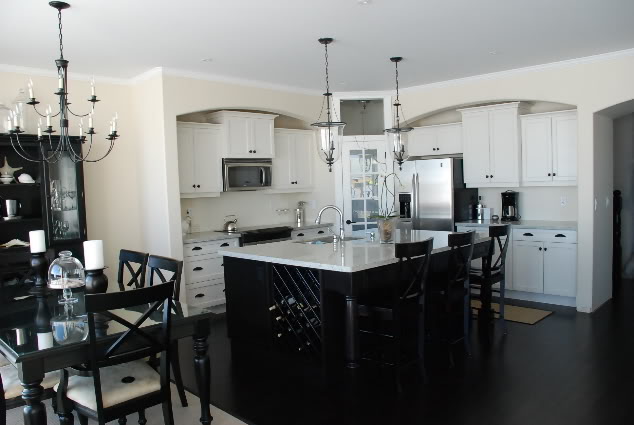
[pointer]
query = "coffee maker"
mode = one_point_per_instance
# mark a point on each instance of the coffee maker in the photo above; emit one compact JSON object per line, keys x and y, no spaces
{"x":509,"y":206}
{"x":405,"y":205}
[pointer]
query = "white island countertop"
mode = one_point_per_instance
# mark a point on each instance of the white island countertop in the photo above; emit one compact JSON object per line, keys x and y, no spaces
{"x":347,"y":256}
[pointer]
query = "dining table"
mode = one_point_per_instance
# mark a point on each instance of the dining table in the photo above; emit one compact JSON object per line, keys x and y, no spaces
{"x":28,"y":343}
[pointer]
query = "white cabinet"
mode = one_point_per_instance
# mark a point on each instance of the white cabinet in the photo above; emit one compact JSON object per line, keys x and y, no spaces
{"x":549,"y":149}
{"x":246,"y":134}
{"x":490,"y":141}
{"x":292,"y":165}
{"x":445,"y":139}
{"x":545,"y":261}
{"x":199,"y":159}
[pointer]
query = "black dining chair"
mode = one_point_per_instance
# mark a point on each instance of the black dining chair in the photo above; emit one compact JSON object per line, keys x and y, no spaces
{"x":158,"y":268}
{"x":396,"y":316}
{"x":11,"y":389}
{"x":493,"y":270}
{"x":117,"y":382}
{"x":135,"y":263}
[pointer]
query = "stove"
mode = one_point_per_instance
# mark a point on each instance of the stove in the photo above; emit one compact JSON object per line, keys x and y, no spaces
{"x":261,"y":236}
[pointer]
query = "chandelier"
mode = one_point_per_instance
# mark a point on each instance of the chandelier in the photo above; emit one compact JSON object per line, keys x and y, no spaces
{"x":329,"y":131}
{"x":398,"y":135}
{"x":51,"y":151}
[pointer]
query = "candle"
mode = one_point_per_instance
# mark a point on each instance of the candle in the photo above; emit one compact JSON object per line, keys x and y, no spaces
{"x":31,"y":89}
{"x":93,"y":255}
{"x":90,"y":121}
{"x":81,"y":128}
{"x":48,"y":116}
{"x":92,"y":85}
{"x":114,"y":121}
{"x":37,"y":241}
{"x":44,"y":340}
{"x":110,"y":128}
{"x":15,"y":118}
{"x":39,"y":128}
{"x":60,"y":82}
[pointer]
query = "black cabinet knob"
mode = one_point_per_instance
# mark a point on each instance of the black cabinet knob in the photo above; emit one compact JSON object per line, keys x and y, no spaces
{"x":197,"y":185}
{"x":300,"y":234}
{"x":320,"y":232}
{"x":224,"y":244}
{"x":554,"y":174}
{"x":194,"y":186}
{"x":528,"y":234}
{"x":197,"y":269}
{"x":545,"y":249}
{"x":491,"y":175}
{"x":487,"y":176}
{"x":199,"y":295}
{"x":196,"y":248}
{"x":254,"y":151}
{"x":540,"y":248}
{"x":250,"y":151}
{"x":548,"y":174}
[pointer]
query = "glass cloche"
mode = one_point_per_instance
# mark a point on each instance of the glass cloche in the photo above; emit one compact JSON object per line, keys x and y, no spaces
{"x":69,"y":327}
{"x":66,"y":273}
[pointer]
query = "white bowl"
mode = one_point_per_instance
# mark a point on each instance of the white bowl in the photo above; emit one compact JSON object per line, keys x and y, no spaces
{"x":6,"y":180}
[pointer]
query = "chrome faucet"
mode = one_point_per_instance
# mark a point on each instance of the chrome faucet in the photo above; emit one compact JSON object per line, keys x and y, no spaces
{"x":318,"y":219}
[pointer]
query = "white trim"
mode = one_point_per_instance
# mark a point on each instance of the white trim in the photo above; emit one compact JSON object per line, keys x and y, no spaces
{"x":144,"y":76}
{"x":52,"y":72}
{"x":543,"y":67}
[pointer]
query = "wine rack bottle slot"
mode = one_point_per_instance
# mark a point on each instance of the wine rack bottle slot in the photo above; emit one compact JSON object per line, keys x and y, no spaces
{"x":296,"y":309}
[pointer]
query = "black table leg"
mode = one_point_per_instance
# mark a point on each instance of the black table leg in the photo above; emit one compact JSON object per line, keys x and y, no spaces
{"x":202,"y":366}
{"x":352,"y":332}
{"x":34,"y":411}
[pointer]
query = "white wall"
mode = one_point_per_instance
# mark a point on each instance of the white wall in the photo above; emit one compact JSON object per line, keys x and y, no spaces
{"x":623,"y":178}
{"x":536,"y":203}
{"x":603,"y":185}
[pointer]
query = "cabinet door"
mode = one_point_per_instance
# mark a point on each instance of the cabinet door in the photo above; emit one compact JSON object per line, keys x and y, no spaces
{"x":207,"y":172}
{"x":185,"y":140}
{"x":238,"y":137}
{"x":449,"y":139}
{"x":282,"y":163}
{"x":503,"y":146}
{"x":560,"y":269}
{"x":564,"y":133}
{"x":475,"y":138}
{"x":422,"y":142}
{"x":262,"y":139}
{"x":536,"y":149}
{"x":528,"y":266}
{"x":303,"y":160}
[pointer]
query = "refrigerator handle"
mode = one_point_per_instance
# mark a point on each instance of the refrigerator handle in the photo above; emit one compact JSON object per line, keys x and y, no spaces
{"x":414,"y":197}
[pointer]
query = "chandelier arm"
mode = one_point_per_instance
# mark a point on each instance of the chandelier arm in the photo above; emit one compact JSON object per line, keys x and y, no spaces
{"x":49,"y":159}
{"x":77,"y":156}
{"x":77,"y":115}
{"x":44,"y":116}
{"x":22,"y":154}
{"x":105,"y":155}
{"x":56,"y":151}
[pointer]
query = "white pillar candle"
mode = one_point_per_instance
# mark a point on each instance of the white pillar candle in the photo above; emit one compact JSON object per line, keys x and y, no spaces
{"x":44,"y":340}
{"x":37,"y":241}
{"x":93,"y":255}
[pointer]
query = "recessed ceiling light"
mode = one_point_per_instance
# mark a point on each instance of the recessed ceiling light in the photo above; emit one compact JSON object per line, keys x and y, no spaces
{"x":206,"y":60}
{"x":493,"y":52}
{"x":363,"y":2}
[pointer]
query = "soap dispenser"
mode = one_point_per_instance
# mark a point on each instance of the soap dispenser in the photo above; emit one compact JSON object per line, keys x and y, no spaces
{"x":299,"y":213}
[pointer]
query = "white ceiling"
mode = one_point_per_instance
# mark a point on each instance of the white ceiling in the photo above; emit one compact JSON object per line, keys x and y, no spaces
{"x":275,"y":41}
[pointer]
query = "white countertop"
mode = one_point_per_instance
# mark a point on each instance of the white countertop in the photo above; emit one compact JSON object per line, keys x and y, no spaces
{"x":524,"y":224}
{"x":348,"y":256}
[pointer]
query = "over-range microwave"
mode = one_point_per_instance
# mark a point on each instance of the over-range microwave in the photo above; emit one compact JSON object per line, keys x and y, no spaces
{"x":246,"y":174}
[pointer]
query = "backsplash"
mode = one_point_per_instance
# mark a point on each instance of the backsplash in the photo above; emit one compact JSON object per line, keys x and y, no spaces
{"x":536,"y":203}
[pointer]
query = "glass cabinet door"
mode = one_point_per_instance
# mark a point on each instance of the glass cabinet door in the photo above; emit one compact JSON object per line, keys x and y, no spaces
{"x":364,"y":166}
{"x":65,"y":200}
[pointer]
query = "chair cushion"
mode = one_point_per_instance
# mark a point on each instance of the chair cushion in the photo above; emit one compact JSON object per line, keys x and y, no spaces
{"x":3,"y":361}
{"x":115,"y":387}
{"x":13,"y":386}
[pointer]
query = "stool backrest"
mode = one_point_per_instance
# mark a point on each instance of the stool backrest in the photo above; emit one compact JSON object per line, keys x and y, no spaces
{"x":135,"y":262}
{"x":461,"y":252}
{"x":414,"y":257}
{"x":158,"y":265}
{"x":499,"y":235}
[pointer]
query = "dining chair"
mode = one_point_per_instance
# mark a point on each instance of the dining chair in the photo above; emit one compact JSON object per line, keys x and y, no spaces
{"x":158,"y":267}
{"x":396,"y":317}
{"x":493,"y":269}
{"x":117,"y":382}
{"x":11,"y":389}
{"x":135,"y":263}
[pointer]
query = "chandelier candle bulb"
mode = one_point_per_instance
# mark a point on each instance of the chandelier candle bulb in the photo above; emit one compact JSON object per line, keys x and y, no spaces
{"x":31,"y":89}
{"x":92,"y":87}
{"x":37,"y":241}
{"x":93,"y":255}
{"x":48,"y":116}
{"x":90,"y":120}
{"x":60,"y":82}
{"x":39,"y":128}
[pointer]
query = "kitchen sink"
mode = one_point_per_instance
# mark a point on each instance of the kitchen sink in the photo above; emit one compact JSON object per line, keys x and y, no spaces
{"x":326,"y":239}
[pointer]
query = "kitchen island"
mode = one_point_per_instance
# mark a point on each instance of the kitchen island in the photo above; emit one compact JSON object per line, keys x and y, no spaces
{"x":305,"y":293}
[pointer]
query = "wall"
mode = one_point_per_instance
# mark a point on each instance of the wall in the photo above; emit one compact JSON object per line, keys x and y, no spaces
{"x":536,"y":203}
{"x":592,"y":84}
{"x":623,"y":178}
{"x":112,"y":186}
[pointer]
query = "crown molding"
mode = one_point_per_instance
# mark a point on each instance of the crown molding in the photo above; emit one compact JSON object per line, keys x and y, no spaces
{"x":603,"y":57}
{"x":39,"y":72}
{"x":144,"y":76}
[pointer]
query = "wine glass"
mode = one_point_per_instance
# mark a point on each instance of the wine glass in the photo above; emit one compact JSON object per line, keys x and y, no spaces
{"x":71,"y":195}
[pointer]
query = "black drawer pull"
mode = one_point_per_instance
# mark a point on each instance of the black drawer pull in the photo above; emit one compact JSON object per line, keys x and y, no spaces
{"x":560,"y":235}
{"x":540,"y":248}
{"x":320,"y":232}
{"x":545,"y":249}
{"x":196,"y":248}
{"x":222,"y":265}
{"x":199,"y":295}
{"x":225,"y":244}
{"x":300,"y":234}
{"x":528,"y":234}
{"x":197,"y":269}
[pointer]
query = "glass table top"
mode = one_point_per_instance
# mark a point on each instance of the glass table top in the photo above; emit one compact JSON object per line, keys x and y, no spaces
{"x":25,"y":325}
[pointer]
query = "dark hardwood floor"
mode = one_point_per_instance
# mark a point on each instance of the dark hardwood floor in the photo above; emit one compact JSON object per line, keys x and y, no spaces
{"x":570,"y":368}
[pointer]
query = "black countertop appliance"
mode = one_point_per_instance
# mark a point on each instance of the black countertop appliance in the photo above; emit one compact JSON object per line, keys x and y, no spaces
{"x":510,"y":201}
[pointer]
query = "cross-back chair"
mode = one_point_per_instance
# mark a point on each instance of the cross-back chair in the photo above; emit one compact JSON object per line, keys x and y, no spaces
{"x":135,"y":263}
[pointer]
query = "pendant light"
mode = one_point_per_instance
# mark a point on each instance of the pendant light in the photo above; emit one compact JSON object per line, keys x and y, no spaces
{"x":397,"y":135}
{"x":329,"y":132}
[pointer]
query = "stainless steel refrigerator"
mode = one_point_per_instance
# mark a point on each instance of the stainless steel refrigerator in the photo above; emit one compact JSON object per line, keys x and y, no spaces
{"x":439,"y":197}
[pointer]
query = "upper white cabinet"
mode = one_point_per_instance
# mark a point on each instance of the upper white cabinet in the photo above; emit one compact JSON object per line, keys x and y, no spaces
{"x":491,"y":145}
{"x":199,"y":160}
{"x":292,"y":165}
{"x":549,"y":149}
{"x":246,"y":134}
{"x":444,"y":139}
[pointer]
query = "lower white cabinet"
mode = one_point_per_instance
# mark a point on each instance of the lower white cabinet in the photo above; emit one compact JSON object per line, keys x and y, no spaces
{"x":203,"y":272}
{"x":292,"y":165}
{"x":543,"y":264}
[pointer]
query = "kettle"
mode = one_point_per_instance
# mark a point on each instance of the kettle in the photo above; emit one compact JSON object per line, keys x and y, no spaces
{"x":231,"y":226}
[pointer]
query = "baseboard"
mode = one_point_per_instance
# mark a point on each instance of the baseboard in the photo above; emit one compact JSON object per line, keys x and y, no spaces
{"x":542,"y":298}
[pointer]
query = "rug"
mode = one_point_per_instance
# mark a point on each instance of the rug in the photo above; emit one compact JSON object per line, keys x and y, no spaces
{"x":514,"y":313}
{"x":182,"y":415}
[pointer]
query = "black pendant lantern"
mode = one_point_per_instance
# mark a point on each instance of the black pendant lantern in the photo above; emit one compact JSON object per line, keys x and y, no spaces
{"x":398,"y":134}
{"x":329,"y":132}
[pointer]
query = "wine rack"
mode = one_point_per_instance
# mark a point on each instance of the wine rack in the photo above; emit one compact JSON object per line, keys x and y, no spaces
{"x":295,"y":311}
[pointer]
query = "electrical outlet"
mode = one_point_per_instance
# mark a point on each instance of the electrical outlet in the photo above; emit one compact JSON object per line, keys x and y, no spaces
{"x":564,"y":201}
{"x":188,"y":212}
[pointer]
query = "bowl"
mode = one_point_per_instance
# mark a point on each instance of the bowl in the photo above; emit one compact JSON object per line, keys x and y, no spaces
{"x":6,"y":179}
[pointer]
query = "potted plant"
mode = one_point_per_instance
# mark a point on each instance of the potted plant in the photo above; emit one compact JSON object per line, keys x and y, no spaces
{"x":387,"y":219}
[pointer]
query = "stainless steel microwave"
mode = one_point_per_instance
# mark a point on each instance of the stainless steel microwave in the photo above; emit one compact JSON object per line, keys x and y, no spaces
{"x":246,"y":174}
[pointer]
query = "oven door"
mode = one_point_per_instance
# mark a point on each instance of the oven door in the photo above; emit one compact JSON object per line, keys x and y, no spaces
{"x":238,"y":176}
